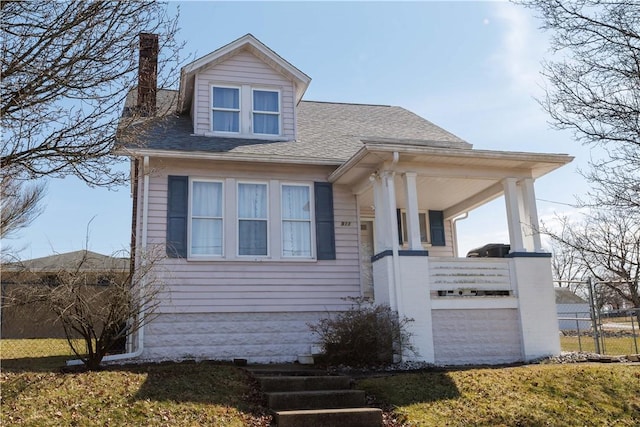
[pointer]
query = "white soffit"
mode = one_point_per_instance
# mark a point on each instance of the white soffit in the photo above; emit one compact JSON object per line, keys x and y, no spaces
{"x":435,"y":161}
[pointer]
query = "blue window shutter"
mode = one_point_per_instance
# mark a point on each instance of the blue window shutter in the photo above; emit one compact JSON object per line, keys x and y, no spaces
{"x":436,"y":227}
{"x":399,"y":219}
{"x":177,"y":211}
{"x":325,"y":233}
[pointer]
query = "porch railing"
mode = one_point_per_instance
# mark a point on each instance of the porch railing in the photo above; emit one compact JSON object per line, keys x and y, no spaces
{"x":461,"y":277}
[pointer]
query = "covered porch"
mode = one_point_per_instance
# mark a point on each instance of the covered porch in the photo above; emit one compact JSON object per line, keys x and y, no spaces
{"x":410,"y":195}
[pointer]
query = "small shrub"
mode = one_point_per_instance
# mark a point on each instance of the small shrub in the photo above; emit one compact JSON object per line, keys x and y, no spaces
{"x":365,"y":335}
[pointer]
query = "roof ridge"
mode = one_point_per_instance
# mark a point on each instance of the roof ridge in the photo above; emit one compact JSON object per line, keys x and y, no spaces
{"x":351,"y":103}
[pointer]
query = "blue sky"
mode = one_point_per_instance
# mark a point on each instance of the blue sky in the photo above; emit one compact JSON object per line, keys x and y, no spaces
{"x":470,"y":67}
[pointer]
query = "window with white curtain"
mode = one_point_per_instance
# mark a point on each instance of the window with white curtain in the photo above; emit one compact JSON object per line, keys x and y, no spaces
{"x":422,"y":220}
{"x":296,"y":221}
{"x":252,"y":219}
{"x":266,"y":112}
{"x":206,"y":218}
{"x":226,"y":109}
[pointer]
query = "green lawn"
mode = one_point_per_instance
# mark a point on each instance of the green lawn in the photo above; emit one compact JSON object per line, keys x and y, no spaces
{"x":35,"y":354}
{"x":38,"y":347}
{"x":536,"y":395}
{"x":612,"y":345}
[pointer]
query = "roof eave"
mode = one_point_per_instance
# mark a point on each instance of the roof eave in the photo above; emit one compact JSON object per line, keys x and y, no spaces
{"x":550,"y":161}
{"x":228,"y":156}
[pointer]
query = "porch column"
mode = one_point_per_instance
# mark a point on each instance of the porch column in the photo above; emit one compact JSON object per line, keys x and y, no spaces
{"x":392,"y":231}
{"x":531,"y":213}
{"x":381,"y":241}
{"x":391,"y":206}
{"x":513,"y":214}
{"x":413,"y":222}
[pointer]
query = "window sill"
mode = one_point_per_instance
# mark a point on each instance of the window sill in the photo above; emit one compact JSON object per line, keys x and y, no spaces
{"x":245,"y":136}
{"x":250,"y":259}
{"x":425,"y":245}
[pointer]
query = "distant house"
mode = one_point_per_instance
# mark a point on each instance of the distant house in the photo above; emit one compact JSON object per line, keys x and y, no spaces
{"x":570,"y":305}
{"x":35,"y":321}
{"x":274,"y":210}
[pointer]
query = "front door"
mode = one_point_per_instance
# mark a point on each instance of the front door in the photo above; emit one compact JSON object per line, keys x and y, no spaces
{"x":366,"y":252}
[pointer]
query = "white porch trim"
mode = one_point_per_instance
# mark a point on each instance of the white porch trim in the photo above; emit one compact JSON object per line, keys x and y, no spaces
{"x":513,"y":214}
{"x":413,"y":221}
{"x":531,"y":214}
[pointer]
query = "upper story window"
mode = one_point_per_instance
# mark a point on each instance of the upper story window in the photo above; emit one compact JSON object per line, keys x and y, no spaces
{"x":206,"y":218}
{"x":245,"y":111}
{"x":226,"y":109}
{"x":266,"y":112}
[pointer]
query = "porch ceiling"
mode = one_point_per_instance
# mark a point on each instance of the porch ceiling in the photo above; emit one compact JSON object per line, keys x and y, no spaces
{"x":453,"y":180}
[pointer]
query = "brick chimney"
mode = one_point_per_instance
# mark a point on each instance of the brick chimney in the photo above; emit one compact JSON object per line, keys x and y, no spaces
{"x":147,"y":74}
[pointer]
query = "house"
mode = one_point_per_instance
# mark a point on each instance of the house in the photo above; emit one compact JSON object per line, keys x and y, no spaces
{"x":37,"y":320}
{"x":572,"y":310}
{"x":274,"y":210}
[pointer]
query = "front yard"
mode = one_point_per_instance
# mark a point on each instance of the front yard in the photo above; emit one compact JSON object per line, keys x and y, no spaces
{"x":208,"y":394}
{"x":534,"y":395}
{"x":175,"y":394}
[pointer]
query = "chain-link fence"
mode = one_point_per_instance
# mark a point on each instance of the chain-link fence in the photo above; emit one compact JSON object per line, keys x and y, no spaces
{"x":589,"y":322}
{"x":40,"y":353}
{"x":32,"y":336}
{"x":613,"y":333}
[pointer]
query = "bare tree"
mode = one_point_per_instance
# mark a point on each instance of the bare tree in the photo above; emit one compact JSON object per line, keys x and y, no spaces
{"x":566,"y":267}
{"x":594,"y":87}
{"x":616,"y":179}
{"x":101,"y":306}
{"x":607,"y":245}
{"x":20,"y":204}
{"x":66,"y":70}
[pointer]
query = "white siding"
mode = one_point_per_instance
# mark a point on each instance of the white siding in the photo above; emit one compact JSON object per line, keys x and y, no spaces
{"x":242,"y":69}
{"x":266,"y":286}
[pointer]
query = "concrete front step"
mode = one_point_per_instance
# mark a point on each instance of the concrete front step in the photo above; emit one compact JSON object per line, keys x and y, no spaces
{"x":324,"y":399}
{"x":304,"y":383}
{"x":279,"y":372}
{"x":350,"y":417}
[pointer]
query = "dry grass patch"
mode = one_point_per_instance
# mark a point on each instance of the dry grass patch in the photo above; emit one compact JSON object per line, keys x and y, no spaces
{"x":568,"y":395}
{"x":185,"y":394}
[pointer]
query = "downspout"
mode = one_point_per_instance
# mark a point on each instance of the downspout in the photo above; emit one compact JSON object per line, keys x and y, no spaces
{"x":145,"y":222}
{"x":145,"y":226}
{"x":454,"y":225}
{"x":394,"y":234}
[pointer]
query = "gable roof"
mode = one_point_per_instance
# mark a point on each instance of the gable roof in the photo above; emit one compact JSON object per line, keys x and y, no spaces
{"x":328,"y":133}
{"x":565,"y":296}
{"x":251,"y":44}
{"x":89,"y":262}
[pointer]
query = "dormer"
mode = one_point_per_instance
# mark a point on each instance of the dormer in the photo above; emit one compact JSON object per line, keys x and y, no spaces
{"x":242,"y":90}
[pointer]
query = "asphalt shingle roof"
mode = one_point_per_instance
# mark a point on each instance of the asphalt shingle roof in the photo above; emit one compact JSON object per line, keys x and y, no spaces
{"x":81,"y":260}
{"x":565,"y":296}
{"x":326,"y":130}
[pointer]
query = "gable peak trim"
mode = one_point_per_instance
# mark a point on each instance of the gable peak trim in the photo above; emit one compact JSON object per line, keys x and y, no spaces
{"x":249,"y":43}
